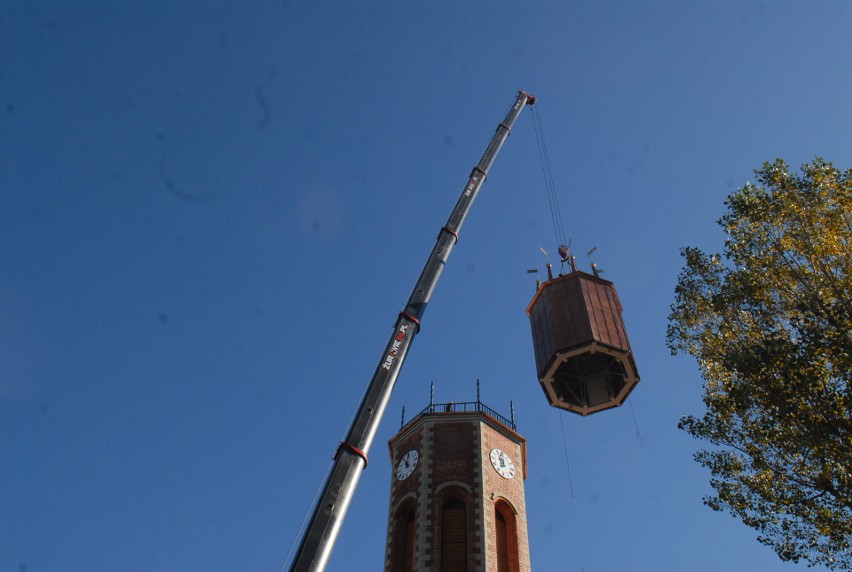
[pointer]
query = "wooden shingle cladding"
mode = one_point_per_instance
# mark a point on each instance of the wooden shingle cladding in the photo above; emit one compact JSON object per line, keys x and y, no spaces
{"x":573,"y":318}
{"x":573,"y":311}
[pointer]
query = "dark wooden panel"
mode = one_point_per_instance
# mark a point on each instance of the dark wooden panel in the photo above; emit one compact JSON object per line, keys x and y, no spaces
{"x":454,"y":537}
{"x":573,"y":311}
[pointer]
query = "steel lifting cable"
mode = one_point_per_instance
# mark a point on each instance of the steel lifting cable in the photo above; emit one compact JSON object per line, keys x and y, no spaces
{"x":565,"y":446}
{"x":313,"y":502}
{"x":298,"y":534}
{"x":550,"y":186}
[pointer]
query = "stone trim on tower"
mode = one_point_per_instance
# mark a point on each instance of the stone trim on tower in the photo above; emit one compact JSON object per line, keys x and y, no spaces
{"x":453,"y":478}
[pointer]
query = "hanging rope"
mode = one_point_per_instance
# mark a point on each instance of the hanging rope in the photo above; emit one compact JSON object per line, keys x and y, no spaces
{"x":328,"y":468}
{"x":567,"y":464}
{"x":635,"y":423}
{"x":298,"y":534}
{"x":550,"y":186}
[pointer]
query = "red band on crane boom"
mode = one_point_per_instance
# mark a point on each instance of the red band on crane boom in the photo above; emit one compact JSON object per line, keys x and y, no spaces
{"x":530,"y":97}
{"x":354,"y":449}
{"x":412,"y":318}
{"x":452,"y":232}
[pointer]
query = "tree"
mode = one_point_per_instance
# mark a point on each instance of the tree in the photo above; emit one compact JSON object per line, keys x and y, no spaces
{"x":770,"y":324}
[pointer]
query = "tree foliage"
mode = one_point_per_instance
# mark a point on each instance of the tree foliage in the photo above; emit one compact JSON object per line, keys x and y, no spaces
{"x":769,"y":323}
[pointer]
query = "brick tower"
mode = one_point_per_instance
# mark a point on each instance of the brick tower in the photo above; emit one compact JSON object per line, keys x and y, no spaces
{"x":457,"y":493}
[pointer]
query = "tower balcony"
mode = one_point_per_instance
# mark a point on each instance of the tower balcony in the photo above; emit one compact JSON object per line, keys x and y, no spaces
{"x":462,"y":407}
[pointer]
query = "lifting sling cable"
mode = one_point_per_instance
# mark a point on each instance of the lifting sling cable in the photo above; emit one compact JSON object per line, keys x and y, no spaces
{"x":550,"y":186}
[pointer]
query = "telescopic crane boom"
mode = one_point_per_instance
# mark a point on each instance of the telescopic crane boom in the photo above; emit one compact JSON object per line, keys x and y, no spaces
{"x":351,"y":457}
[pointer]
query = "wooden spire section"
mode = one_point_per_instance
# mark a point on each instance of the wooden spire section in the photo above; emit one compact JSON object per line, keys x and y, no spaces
{"x":582,"y":354}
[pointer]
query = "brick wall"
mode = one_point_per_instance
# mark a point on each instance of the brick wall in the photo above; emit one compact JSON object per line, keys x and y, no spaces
{"x":455,"y":464}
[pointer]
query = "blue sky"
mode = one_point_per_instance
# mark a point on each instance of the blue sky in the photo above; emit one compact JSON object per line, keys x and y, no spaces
{"x":211,"y":213}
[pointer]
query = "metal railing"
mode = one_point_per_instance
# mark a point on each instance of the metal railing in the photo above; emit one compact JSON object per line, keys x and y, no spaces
{"x":462,"y":407}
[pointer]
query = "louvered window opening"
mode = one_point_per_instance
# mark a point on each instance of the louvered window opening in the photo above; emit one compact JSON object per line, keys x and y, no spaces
{"x":408,"y":561}
{"x":454,"y":537}
{"x":502,"y":543}
{"x":402,"y":550}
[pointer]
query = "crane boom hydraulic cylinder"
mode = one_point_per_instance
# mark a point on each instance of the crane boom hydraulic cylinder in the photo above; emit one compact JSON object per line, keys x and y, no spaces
{"x":351,"y":457}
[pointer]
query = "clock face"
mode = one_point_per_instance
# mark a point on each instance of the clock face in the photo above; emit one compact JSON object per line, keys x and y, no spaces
{"x":406,"y":465}
{"x":502,"y":463}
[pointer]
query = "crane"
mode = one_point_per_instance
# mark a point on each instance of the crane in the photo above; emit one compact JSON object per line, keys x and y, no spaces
{"x":350,"y":459}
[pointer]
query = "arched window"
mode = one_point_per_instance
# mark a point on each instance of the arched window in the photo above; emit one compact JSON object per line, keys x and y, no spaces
{"x":408,"y":550}
{"x":454,"y":536}
{"x":502,"y":543}
{"x":507,"y":537}
{"x":402,"y":549}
